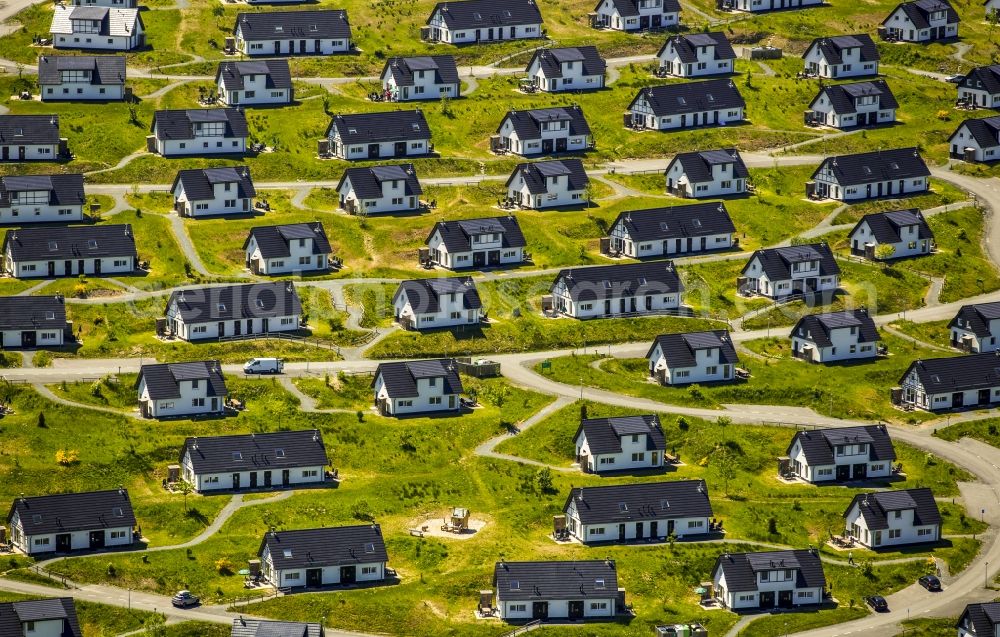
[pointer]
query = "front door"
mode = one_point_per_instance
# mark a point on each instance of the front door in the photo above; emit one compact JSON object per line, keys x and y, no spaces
{"x":28,"y":338}
{"x":97,"y":539}
{"x":215,"y":403}
{"x":561,"y":145}
{"x":621,"y":532}
{"x":546,"y":146}
{"x":844,"y":472}
{"x":489,"y":33}
{"x":267,"y":478}
{"x":373,"y":151}
{"x":6,"y":153}
{"x":236,"y":481}
{"x":249,"y":326}
{"x":68,"y":265}
{"x":638,"y":530}
{"x":540,"y":610}
{"x":400,"y":149}
{"x":314,"y":577}
{"x":653,"y":528}
{"x":21,"y":153}
{"x":493,"y":257}
{"x":97,"y":266}
{"x":957,"y":399}
{"x":52,"y":268}
{"x":285,"y":475}
{"x":64,"y":543}
{"x":79,"y":267}
{"x":237,"y":328}
{"x":222,"y":329}
{"x":253,"y":479}
{"x":576,"y":609}
{"x":478,"y":259}
{"x":302,"y":46}
{"x":767,"y":599}
{"x":644,"y":22}
{"x":348,"y":574}
{"x":785,"y":599}
{"x":265,"y":325}
{"x":670,"y":527}
{"x":984,"y":396}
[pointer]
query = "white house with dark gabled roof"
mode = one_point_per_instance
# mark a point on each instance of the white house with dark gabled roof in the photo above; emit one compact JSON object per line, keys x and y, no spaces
{"x":425,"y":77}
{"x":976,"y":328}
{"x":759,"y":6}
{"x":33,"y":321}
{"x":268,"y":460}
{"x":842,"y":56}
{"x":841,"y":454}
{"x":378,"y":189}
{"x":620,"y":443}
{"x":555,"y":183}
{"x":544,"y":131}
{"x":935,"y":384}
{"x":578,"y":68}
{"x":468,"y":21}
{"x":30,"y":138}
{"x":557,"y":590}
{"x":42,"y":198}
{"x":89,"y":521}
{"x":883,"y":173}
{"x":254,"y":83}
{"x":198,"y":131}
{"x":100,"y":28}
{"x":693,"y":357}
{"x":642,"y":511}
{"x":617,"y":290}
{"x":922,"y":21}
{"x":905,"y":230}
{"x":893,"y":518}
{"x":81,"y":78}
{"x":835,"y":336}
{"x":781,"y":272}
{"x":233,"y":310}
{"x":770,"y":579}
{"x":636,"y":15}
{"x":247,"y":627}
{"x":697,"y":55}
{"x":195,"y":388}
{"x":687,"y":105}
{"x":707,"y":173}
{"x":379,"y":135}
{"x":50,"y":617}
{"x":488,"y":242}
{"x":981,"y":87}
{"x":326,"y":32}
{"x":203,"y":192}
{"x":414,"y":387}
{"x":427,"y":304}
{"x":979,"y":620}
{"x":288,"y":248}
{"x":676,"y":230}
{"x":976,"y":140}
{"x":70,"y":251}
{"x":328,"y":556}
{"x":854,"y":104}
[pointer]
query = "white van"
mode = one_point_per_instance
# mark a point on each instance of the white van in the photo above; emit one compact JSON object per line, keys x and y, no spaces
{"x":264,"y":366}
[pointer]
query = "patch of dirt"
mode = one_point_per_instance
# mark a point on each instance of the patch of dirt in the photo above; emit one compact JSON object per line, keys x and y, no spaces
{"x":434,"y":527}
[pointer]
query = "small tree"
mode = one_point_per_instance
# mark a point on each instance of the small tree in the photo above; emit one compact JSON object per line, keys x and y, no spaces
{"x":544,"y":480}
{"x":185,"y":488}
{"x":772,"y":526}
{"x":41,"y":420}
{"x":884,"y":251}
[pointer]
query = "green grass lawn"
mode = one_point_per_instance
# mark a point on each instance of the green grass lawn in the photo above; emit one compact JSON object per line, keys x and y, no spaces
{"x":942,"y":192}
{"x":843,"y":391}
{"x":340,"y":391}
{"x":934,"y":332}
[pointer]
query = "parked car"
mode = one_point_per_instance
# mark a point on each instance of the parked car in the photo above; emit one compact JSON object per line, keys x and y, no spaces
{"x":878,"y":603}
{"x":264,"y":366}
{"x":955,"y":79}
{"x":930,"y":582}
{"x":184,"y":599}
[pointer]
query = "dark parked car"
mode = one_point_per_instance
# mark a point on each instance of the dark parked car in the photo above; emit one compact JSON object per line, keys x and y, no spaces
{"x":930,"y":582}
{"x":878,"y":603}
{"x":184,"y":599}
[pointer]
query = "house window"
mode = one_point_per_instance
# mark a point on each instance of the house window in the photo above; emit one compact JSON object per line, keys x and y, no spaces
{"x":712,"y":370}
{"x":310,"y":473}
{"x":369,"y":570}
{"x":598,"y":530}
{"x":404,"y":403}
{"x":894,"y":534}
{"x":434,"y":400}
{"x":746,"y":598}
{"x":518,"y":608}
{"x":166,"y":405}
{"x":805,"y":594}
{"x":696,"y":524}
{"x":199,"y":329}
{"x":924,"y":531}
{"x":117,"y":535}
{"x":598,"y":605}
{"x":292,"y":576}
{"x":610,"y":460}
{"x":41,"y":541}
{"x":638,"y":457}
{"x":197,"y":402}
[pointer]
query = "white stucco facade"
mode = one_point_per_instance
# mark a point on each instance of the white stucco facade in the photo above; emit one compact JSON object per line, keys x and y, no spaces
{"x":193,"y":400}
{"x":708,"y":368}
{"x":430,"y":398}
{"x":78,"y":540}
{"x":634,"y":455}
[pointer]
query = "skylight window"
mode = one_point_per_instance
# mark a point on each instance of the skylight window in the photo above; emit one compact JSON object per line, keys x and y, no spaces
{"x":415,"y":126}
{"x":287,"y":553}
{"x":50,"y":316}
{"x":92,"y":244}
{"x":312,"y":27}
{"x":477,"y":16}
{"x":352,"y":130}
{"x":867,"y":170}
{"x":665,"y":504}
{"x":663,"y":225}
{"x":599,"y":584}
{"x":607,"y":285}
{"x":278,"y":28}
{"x":237,"y":455}
{"x":118,"y":512}
{"x":696,"y":223}
{"x":279,"y":453}
{"x":936,"y":378}
{"x":622,"y":507}
{"x":222,"y":307}
{"x":894,"y":166}
{"x":260,"y":303}
{"x":18,"y":132}
{"x":37,"y":519}
{"x":515,"y":585}
{"x":369,"y":548}
{"x":681,"y":100}
{"x":53,"y":246}
{"x":709,"y":97}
